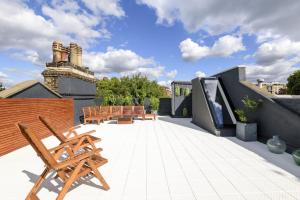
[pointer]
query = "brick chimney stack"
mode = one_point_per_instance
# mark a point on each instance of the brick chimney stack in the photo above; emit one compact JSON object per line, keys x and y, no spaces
{"x":57,"y":48}
{"x":73,"y":53}
{"x":79,"y":56}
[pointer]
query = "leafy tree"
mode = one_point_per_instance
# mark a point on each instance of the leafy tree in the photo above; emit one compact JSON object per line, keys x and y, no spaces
{"x":293,"y":83}
{"x":123,"y":90}
{"x":154,"y":103}
{"x":1,"y":87}
{"x":127,"y":101}
{"x":296,"y":89}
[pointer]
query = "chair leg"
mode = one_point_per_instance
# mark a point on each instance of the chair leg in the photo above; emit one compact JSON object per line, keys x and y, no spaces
{"x":38,"y":183}
{"x":98,"y":175}
{"x":70,"y":181}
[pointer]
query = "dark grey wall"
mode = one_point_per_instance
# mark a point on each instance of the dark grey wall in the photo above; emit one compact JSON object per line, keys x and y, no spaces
{"x":82,"y":92}
{"x":75,"y":86}
{"x":164,"y":106}
{"x":179,"y":102}
{"x":201,"y":113}
{"x":78,"y":105}
{"x":35,"y":91}
{"x":293,"y":104}
{"x":272,"y":118}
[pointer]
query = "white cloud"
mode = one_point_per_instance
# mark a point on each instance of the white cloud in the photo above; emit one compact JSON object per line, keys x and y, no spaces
{"x":227,"y":45}
{"x":192,"y":51}
{"x":200,"y":74}
{"x":224,"y":46}
{"x":5,"y":80}
{"x":270,"y":52}
{"x":123,"y":61}
{"x":275,"y":17}
{"x":116,"y":60}
{"x":278,"y":71}
{"x":107,"y":7}
{"x":150,"y":72}
{"x":275,"y":60}
{"x":28,"y":35}
{"x":171,"y":74}
{"x":2,"y":75}
{"x":165,"y":83}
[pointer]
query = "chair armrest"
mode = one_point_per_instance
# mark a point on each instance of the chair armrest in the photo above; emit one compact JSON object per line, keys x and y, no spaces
{"x":80,"y":136}
{"x":76,"y":159}
{"x":61,"y":146}
{"x":74,"y":127}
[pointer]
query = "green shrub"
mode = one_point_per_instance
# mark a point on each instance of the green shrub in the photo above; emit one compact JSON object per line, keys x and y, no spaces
{"x":154,"y":103}
{"x":105,"y":101}
{"x":127,"y":101}
{"x":177,"y":91}
{"x":182,"y":91}
{"x":185,"y":112}
{"x":187,"y":92}
{"x":119,"y":101}
{"x":112,"y":100}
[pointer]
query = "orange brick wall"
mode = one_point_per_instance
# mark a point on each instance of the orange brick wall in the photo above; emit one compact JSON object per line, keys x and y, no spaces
{"x":58,"y":111}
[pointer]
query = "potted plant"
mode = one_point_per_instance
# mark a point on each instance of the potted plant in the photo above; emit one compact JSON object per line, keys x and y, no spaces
{"x":177,"y":91}
{"x":184,"y":112}
{"x":154,"y":104}
{"x":187,"y":92}
{"x":296,"y":156}
{"x":245,"y":129}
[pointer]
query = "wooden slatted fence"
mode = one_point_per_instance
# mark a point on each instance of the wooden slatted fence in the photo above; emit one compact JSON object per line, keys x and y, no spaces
{"x":58,"y":111}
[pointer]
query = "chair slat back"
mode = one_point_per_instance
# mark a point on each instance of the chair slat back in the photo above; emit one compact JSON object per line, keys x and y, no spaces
{"x":127,"y":110}
{"x":94,"y":111}
{"x":138,"y":109}
{"x":37,"y":145}
{"x":105,"y":109}
{"x":86,"y":112}
{"x":57,"y":134}
{"x":116,"y":110}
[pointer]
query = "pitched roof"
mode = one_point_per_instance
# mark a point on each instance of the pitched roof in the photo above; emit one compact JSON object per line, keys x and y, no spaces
{"x":23,"y":86}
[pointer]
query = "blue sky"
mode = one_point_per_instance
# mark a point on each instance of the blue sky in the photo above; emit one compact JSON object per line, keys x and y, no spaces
{"x":165,"y":40}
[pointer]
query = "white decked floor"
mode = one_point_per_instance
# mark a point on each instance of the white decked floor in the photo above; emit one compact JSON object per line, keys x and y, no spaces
{"x":161,"y":160}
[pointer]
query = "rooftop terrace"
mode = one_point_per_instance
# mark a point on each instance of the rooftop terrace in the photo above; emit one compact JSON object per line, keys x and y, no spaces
{"x":164,"y":159}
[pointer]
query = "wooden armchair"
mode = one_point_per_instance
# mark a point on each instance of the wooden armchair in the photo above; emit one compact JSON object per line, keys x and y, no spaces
{"x":69,"y":170}
{"x":139,"y":111}
{"x":105,"y":112}
{"x":127,"y":110}
{"x":84,"y":140}
{"x":90,"y":114}
{"x":116,"y":111}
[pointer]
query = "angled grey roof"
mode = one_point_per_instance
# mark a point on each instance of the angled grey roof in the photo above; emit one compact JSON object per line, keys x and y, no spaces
{"x":23,"y":86}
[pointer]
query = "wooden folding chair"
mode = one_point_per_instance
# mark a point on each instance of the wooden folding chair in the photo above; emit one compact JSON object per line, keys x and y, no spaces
{"x":84,"y":140}
{"x":90,"y":114}
{"x":68,"y":170}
